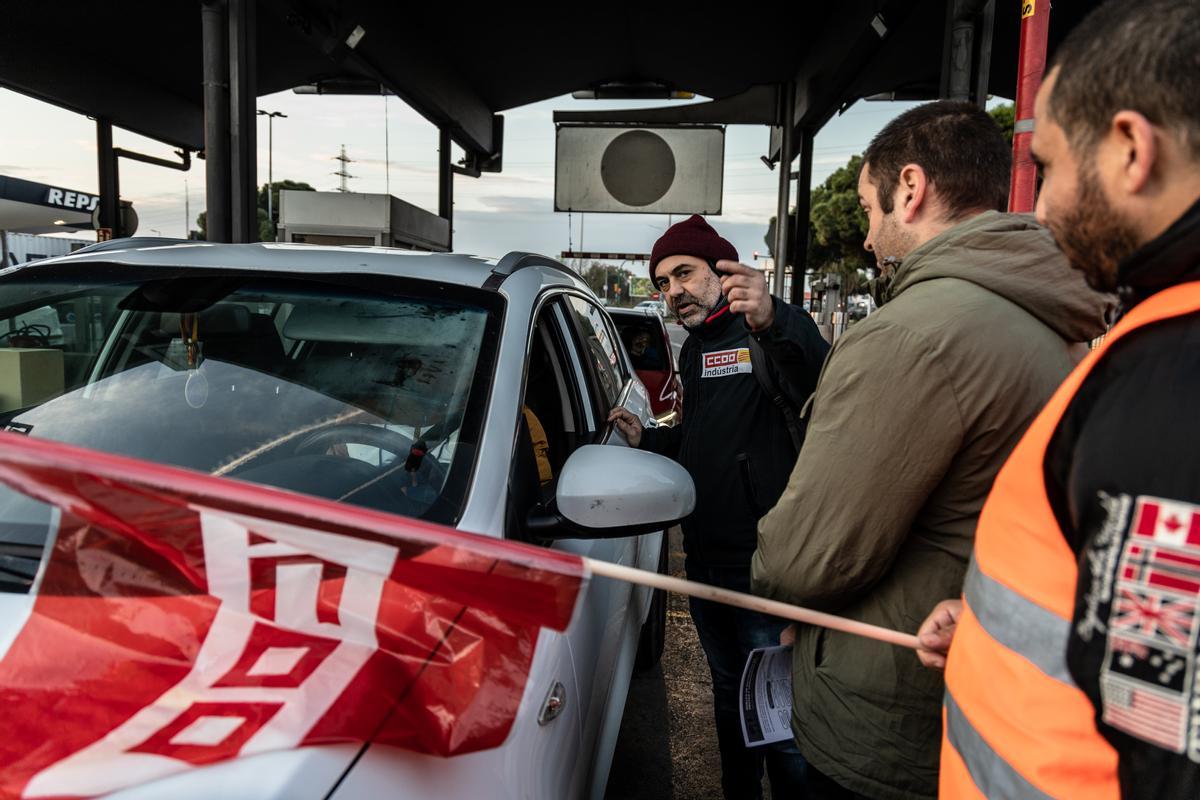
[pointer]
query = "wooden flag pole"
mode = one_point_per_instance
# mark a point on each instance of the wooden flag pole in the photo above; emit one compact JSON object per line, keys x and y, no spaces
{"x":750,"y":602}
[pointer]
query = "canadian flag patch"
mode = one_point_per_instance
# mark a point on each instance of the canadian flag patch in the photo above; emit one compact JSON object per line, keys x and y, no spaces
{"x":1167,"y":522}
{"x":726,"y":362}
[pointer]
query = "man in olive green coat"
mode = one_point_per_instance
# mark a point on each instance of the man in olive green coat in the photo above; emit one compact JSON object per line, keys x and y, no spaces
{"x":916,"y":409}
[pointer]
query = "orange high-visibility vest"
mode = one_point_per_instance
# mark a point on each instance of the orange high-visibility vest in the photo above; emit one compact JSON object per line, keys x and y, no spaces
{"x":1015,"y":723}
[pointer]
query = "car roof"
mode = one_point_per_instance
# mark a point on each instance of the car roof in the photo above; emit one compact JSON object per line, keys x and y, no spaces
{"x":640,"y":313}
{"x":456,"y":268}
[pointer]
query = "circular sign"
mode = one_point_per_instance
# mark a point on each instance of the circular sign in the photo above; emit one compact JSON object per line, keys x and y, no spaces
{"x":637,"y":168}
{"x":129,"y":218}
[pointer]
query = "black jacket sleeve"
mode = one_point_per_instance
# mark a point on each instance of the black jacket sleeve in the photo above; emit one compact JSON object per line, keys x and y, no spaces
{"x":796,"y":349}
{"x":666,"y":441}
{"x":1123,"y":475}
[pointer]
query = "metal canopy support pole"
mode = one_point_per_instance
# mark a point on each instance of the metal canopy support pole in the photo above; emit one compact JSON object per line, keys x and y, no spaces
{"x":446,"y":184}
{"x":110,"y":190}
{"x":983,"y":71}
{"x":216,"y":120}
{"x":803,"y":210}
{"x":787,"y":113}
{"x":967,"y":54}
{"x":962,"y":51}
{"x":1035,"y":24}
{"x":243,"y":122}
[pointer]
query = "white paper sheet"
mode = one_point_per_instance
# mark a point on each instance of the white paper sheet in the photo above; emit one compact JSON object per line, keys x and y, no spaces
{"x":766,"y":696}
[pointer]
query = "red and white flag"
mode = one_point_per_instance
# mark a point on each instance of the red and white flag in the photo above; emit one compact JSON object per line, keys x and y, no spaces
{"x":183,"y":619}
{"x":1167,"y":522}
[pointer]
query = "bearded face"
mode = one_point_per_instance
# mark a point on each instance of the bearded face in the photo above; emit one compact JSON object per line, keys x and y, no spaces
{"x":1093,"y":235}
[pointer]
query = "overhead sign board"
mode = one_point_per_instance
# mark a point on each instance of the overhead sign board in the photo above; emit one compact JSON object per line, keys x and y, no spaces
{"x":639,"y":170}
{"x":29,"y":207}
{"x":65,"y":198}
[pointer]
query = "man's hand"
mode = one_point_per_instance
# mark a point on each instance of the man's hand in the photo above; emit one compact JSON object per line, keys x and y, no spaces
{"x":787,"y":636}
{"x":746,"y":289}
{"x":628,"y":424}
{"x":936,"y":633}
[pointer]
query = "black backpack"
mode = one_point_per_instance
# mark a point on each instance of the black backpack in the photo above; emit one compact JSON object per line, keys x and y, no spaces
{"x":763,"y":371}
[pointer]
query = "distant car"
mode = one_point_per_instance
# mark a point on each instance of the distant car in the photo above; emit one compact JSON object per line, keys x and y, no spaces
{"x":323,"y":371}
{"x":656,"y":306}
{"x":644,"y":334}
{"x":859,"y":306}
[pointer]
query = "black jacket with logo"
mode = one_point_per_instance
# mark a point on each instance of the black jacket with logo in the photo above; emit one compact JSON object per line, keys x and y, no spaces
{"x":733,"y":439}
{"x":1124,"y":461}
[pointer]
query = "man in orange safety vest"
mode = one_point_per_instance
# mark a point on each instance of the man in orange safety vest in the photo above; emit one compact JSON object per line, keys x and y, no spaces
{"x":1074,"y":671}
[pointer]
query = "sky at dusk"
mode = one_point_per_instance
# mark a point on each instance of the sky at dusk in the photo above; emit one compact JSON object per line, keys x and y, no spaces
{"x":395,"y":149}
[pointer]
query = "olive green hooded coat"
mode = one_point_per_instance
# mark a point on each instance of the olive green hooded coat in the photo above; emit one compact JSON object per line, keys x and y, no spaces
{"x":916,"y":409}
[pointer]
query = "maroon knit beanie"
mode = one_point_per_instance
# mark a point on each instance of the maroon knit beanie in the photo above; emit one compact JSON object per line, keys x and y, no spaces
{"x":692,"y":237}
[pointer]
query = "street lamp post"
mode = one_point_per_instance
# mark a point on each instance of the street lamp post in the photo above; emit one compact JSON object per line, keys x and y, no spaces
{"x":271,"y":115}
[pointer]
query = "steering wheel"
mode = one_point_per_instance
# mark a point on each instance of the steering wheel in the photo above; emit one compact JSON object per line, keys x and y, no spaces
{"x":430,"y":473}
{"x":355,"y":433}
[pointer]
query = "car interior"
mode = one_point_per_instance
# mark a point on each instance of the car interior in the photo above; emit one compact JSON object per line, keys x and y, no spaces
{"x":555,"y":403}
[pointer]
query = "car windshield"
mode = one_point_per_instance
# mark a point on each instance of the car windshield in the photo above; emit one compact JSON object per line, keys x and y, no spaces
{"x":366,"y":390}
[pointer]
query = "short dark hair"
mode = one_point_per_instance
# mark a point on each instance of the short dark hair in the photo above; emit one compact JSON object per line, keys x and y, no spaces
{"x":959,"y":146}
{"x":1143,"y":56}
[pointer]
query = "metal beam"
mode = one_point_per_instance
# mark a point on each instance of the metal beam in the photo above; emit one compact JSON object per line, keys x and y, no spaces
{"x":110,"y":189}
{"x":362,"y":40}
{"x":183,"y":164}
{"x":243,"y":121}
{"x":829,"y":70}
{"x":967,"y":53}
{"x":446,"y":185}
{"x":987,"y":27}
{"x":800,"y":234}
{"x":216,"y":121}
{"x":787,"y":109}
{"x":755,"y":106}
{"x":139,"y":106}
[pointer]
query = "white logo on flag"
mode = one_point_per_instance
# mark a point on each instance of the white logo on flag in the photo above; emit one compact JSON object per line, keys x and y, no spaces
{"x":262,"y":677}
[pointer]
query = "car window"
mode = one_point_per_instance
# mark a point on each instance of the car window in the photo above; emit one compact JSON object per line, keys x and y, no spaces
{"x":643,"y":340}
{"x":600,"y":349}
{"x":365,"y":391}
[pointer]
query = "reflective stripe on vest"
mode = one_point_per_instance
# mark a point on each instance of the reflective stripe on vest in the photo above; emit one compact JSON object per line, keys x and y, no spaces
{"x":993,"y":776}
{"x":1020,"y":625}
{"x":1016,"y":724}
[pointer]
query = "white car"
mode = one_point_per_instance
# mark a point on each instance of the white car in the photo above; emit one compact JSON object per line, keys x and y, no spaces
{"x":493,"y":375}
{"x":657,"y":306}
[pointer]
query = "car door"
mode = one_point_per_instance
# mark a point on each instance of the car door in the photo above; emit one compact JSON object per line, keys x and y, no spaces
{"x":576,"y":372}
{"x":617,"y":608}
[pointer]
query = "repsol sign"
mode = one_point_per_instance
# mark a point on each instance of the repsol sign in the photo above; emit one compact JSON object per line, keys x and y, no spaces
{"x":64,"y":198}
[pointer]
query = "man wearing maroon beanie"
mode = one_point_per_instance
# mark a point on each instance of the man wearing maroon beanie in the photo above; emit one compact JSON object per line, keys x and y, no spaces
{"x":749,"y":363}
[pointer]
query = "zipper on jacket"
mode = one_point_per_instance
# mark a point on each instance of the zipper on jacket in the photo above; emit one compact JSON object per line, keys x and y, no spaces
{"x":743,"y":462}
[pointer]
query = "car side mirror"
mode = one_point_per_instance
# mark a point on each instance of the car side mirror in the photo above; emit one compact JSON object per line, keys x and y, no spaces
{"x":608,"y":491}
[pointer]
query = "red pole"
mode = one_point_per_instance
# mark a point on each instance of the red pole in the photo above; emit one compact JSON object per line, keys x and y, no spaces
{"x":1035,"y":24}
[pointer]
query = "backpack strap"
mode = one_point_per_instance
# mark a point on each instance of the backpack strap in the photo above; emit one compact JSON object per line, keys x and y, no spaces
{"x":761,"y":367}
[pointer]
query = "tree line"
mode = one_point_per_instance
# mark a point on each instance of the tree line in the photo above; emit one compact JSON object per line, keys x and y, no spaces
{"x":838,"y":226}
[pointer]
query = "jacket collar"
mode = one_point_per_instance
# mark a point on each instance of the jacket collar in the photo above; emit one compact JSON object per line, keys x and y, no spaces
{"x":1173,"y":257}
{"x":717,"y":321}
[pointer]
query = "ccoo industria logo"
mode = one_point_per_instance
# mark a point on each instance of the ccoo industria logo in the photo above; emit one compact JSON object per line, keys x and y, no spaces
{"x":726,"y":362}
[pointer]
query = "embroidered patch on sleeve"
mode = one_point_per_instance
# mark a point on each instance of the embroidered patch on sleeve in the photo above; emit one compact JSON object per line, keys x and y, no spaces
{"x":726,"y":362}
{"x":1148,"y":679}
